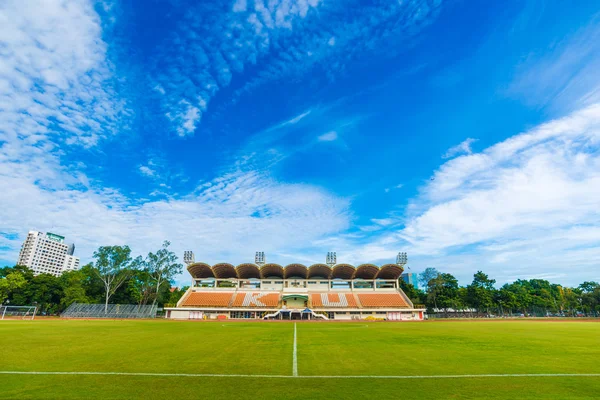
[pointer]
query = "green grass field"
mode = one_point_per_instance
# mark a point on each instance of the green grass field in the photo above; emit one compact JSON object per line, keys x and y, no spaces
{"x":341,"y":351}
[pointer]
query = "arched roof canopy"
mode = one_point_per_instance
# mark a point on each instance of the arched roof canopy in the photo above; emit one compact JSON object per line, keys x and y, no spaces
{"x":320,"y":271}
{"x":295,"y":270}
{"x":224,"y":271}
{"x":366,"y":271}
{"x":343,"y":271}
{"x":248,"y":271}
{"x":200,"y":270}
{"x":271,"y":270}
{"x":389,"y":271}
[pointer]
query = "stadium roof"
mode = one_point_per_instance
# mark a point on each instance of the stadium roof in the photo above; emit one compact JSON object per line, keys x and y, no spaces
{"x":323,"y":271}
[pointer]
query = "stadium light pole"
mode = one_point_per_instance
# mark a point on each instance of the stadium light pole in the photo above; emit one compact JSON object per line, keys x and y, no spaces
{"x":401,"y":258}
{"x":331,"y":259}
{"x":259,"y":258}
{"x":188,"y":257}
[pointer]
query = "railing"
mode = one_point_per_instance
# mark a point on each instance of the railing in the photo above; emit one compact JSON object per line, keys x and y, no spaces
{"x":405,"y":297}
{"x":120,"y":311}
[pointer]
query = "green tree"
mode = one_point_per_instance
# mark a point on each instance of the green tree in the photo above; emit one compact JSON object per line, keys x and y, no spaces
{"x":26,"y":272}
{"x":162,"y":267}
{"x":46,"y":291}
{"x":442,"y":291}
{"x":428,"y":275}
{"x":590,"y":302}
{"x":113,"y":268}
{"x":18,"y":296}
{"x":12,"y":281}
{"x":572,"y":300}
{"x":92,"y":284}
{"x":415,"y":295}
{"x":506,"y":299}
{"x":174,"y":295}
{"x":73,"y":287}
{"x":141,"y":286}
{"x":588,"y":286}
{"x":480,"y":293}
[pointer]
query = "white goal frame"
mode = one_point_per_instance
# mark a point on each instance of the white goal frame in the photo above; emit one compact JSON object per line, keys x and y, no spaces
{"x":14,"y":312}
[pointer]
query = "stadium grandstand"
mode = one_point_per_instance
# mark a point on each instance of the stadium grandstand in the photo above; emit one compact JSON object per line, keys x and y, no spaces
{"x":327,"y":291}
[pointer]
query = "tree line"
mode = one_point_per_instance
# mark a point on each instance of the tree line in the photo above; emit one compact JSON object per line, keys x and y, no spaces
{"x":114,"y":277}
{"x":444,"y":297}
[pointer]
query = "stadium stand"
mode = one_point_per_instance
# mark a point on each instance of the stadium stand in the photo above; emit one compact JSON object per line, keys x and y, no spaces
{"x":327,"y":300}
{"x":382,"y":300}
{"x":208,"y":299}
{"x":256,"y":300}
{"x":271,"y":291}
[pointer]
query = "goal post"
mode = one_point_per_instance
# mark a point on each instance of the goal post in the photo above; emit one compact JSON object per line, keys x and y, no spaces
{"x":18,"y":312}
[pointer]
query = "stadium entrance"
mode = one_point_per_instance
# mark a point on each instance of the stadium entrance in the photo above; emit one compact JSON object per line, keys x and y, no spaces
{"x":295,"y":300}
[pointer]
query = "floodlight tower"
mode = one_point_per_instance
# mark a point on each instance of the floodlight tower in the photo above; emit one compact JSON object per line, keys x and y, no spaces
{"x":401,"y":258}
{"x":259,"y":258}
{"x":331,"y":259}
{"x":188,"y":257}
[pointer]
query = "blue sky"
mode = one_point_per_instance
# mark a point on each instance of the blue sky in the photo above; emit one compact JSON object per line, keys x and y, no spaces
{"x":464,"y":133}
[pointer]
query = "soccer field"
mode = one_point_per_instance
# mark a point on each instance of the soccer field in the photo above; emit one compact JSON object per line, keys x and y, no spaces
{"x":256,"y":360}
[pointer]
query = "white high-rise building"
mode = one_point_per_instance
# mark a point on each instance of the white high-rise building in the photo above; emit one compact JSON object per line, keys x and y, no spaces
{"x":47,"y":253}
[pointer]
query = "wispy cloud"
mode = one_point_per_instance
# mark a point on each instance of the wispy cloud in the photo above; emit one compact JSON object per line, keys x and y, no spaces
{"x":383,"y":221}
{"x":186,"y":117}
{"x":227,"y":218}
{"x":389,"y":189}
{"x":328,"y":137}
{"x":54,"y":76}
{"x":146,"y":171}
{"x":298,"y":118}
{"x":279,"y":39}
{"x":535,"y":195}
{"x":566,"y":76}
{"x":460,"y":149}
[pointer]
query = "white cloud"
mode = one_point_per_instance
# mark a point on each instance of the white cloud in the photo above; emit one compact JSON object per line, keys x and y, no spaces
{"x":298,"y":118}
{"x":383,"y":221}
{"x":328,"y":137}
{"x":146,"y":171}
{"x":54,"y":63}
{"x":279,"y":38}
{"x":227,"y":219}
{"x":240,"y":5}
{"x":389,"y":189}
{"x":186,"y":118}
{"x":462,"y":148}
{"x":54,"y":75}
{"x":527,"y":203}
{"x":524,"y":208}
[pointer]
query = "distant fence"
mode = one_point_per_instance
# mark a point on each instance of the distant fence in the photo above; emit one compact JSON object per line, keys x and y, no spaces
{"x":123,"y":311}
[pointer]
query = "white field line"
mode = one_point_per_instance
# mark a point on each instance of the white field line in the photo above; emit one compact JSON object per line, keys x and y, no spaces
{"x":169,"y":375}
{"x":295,"y":356}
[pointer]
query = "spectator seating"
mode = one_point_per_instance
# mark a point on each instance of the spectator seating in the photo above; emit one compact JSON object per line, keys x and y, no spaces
{"x":368,"y":300}
{"x":250,"y":299}
{"x":208,"y":299}
{"x":318,"y":300}
{"x":331,"y":300}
